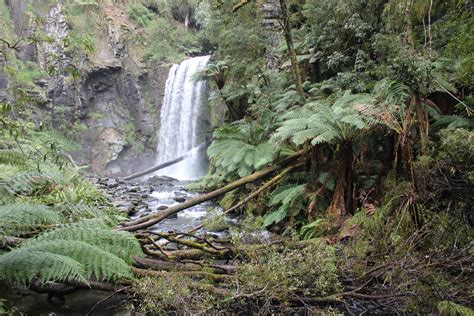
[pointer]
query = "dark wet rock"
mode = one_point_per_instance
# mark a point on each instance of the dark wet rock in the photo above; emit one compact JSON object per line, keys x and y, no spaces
{"x":179,"y":199}
{"x":133,"y":189}
{"x":112,"y":183}
{"x":162,"y":179}
{"x":171,"y":246}
{"x":162,"y":207}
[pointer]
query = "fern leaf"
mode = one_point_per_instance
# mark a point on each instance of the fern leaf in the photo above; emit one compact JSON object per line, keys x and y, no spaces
{"x":12,"y":158}
{"x":274,"y":217}
{"x":122,"y":244}
{"x":95,"y":261}
{"x":21,"y":265}
{"x":16,"y":219}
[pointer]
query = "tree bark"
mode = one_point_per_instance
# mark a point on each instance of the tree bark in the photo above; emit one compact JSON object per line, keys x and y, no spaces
{"x":291,"y":48}
{"x":152,"y":219}
{"x":264,"y":187}
{"x":341,"y":200}
{"x":423,"y":123}
{"x":409,"y":16}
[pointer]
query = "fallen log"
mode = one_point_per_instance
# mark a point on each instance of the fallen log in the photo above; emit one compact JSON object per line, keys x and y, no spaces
{"x":152,"y":219}
{"x":194,"y":274}
{"x":185,"y":254}
{"x":168,"y":163}
{"x":162,"y":265}
{"x":264,"y":187}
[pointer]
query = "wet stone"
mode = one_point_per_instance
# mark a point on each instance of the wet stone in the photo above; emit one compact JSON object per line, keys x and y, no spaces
{"x":133,"y":189}
{"x":112,"y":183}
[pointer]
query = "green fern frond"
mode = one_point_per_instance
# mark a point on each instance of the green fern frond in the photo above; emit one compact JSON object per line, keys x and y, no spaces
{"x":240,"y":149}
{"x":74,"y":212}
{"x":289,"y":199}
{"x":25,"y":183}
{"x":451,"y":308}
{"x":96,"y":262}
{"x":327,"y":124}
{"x":12,"y":158}
{"x":22,"y":265}
{"x":452,"y":121}
{"x":17,"y":219}
{"x":122,"y":244}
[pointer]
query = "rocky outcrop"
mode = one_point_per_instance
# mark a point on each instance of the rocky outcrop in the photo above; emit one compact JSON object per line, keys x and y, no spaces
{"x":113,"y":109}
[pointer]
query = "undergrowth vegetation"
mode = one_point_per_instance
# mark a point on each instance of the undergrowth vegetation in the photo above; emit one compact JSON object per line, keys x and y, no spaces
{"x":385,"y":120}
{"x":362,"y":112}
{"x":267,"y":276}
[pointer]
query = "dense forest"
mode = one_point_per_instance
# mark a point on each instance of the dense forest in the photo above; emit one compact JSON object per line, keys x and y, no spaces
{"x":339,"y":139}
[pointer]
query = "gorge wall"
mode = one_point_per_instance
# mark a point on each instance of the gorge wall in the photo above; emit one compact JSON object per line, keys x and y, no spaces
{"x":112,"y":110}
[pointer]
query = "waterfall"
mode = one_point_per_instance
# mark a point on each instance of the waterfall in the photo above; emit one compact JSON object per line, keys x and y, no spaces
{"x":184,"y":120}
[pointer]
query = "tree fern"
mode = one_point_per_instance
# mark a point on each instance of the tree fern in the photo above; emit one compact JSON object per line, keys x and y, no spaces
{"x":320,"y":123}
{"x":240,"y":149}
{"x":17,"y":219}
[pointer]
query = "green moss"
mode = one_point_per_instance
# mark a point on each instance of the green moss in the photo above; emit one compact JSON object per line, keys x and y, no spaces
{"x":132,"y":138}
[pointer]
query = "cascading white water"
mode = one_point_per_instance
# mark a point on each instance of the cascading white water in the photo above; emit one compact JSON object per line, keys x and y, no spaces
{"x":182,"y":120}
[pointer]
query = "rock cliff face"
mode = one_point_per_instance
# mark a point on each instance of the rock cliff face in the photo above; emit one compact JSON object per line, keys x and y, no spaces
{"x":113,"y":109}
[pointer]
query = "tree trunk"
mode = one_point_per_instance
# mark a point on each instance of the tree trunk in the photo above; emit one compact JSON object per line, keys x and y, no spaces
{"x":291,"y":49}
{"x":168,"y":163}
{"x":349,"y":180}
{"x":409,"y":16}
{"x":423,"y":123}
{"x":343,"y":192}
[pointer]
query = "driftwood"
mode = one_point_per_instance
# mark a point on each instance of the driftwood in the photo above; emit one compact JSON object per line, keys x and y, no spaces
{"x":199,"y":148}
{"x":152,"y":219}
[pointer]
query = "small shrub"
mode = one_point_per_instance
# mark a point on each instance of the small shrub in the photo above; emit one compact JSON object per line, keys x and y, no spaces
{"x":140,"y":15}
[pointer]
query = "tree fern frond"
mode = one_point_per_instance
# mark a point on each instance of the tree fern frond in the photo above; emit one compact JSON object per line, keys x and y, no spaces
{"x":25,"y":183}
{"x":289,"y":199}
{"x":452,"y":121}
{"x":122,"y":244}
{"x":21,"y":265}
{"x":12,"y":158}
{"x":328,"y":124}
{"x":241,"y":149}
{"x":96,"y":262}
{"x":80,"y":211}
{"x":16,"y":219}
